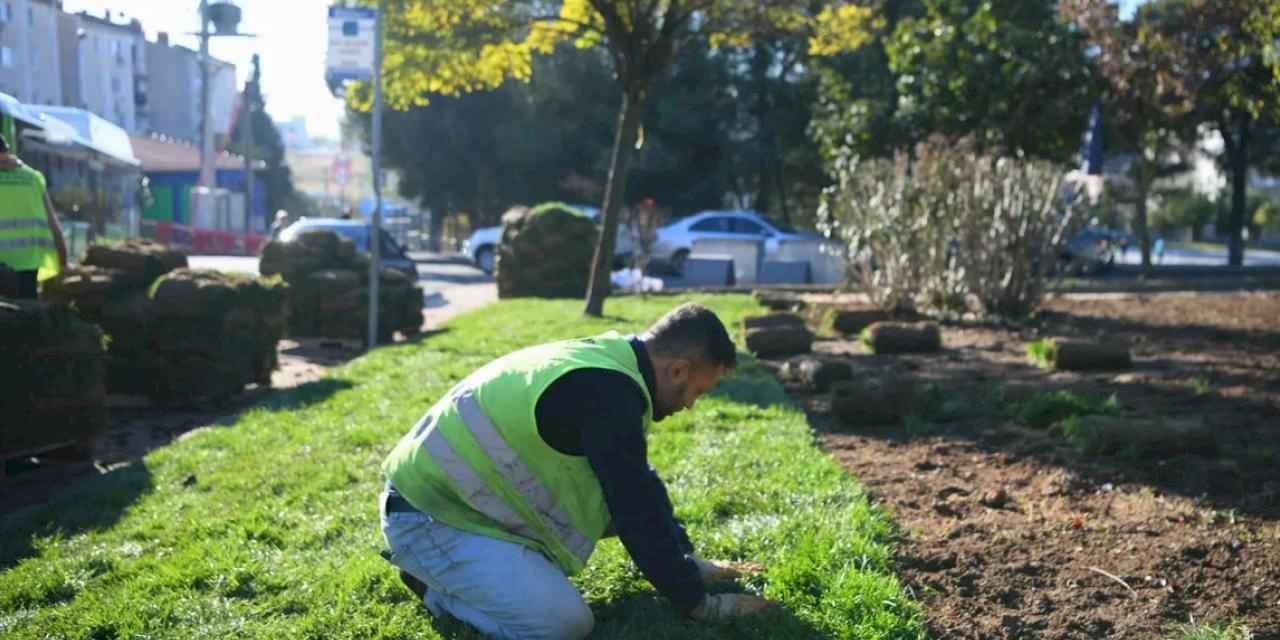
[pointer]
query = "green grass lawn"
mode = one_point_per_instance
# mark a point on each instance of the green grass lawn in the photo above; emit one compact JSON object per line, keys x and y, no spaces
{"x":268,"y":527}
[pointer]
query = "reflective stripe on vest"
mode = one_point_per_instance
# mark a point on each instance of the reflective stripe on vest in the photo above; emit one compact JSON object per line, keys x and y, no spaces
{"x":21,"y":243}
{"x":513,"y":470}
{"x":23,"y":224}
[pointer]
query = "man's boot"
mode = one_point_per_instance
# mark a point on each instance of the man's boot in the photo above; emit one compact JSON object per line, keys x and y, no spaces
{"x":415,"y":585}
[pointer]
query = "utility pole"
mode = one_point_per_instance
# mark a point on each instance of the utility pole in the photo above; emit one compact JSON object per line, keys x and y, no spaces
{"x":375,"y":223}
{"x":206,"y":121}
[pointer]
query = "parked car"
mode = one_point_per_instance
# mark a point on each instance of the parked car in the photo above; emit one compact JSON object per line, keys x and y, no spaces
{"x":391,"y":253}
{"x":1090,"y":252}
{"x":482,"y":246}
{"x":675,"y":240}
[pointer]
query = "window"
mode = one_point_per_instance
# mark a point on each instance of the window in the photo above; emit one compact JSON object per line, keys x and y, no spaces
{"x":714,"y":224}
{"x":31,"y":17}
{"x":6,"y":12}
{"x":115,"y":85}
{"x":749,"y":227}
{"x":6,"y":56}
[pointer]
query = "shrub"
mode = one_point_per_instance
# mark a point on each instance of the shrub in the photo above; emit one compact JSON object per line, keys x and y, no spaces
{"x":1193,"y":631}
{"x":946,"y":228}
{"x":1045,"y":409}
{"x":1040,"y":352}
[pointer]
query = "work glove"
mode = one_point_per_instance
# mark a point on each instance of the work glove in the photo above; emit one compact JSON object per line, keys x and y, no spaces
{"x":720,"y":606}
{"x":718,"y":571}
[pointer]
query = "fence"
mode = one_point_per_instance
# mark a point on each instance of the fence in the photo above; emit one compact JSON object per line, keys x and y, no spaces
{"x":745,"y":254}
{"x":826,"y":260}
{"x":196,"y":241}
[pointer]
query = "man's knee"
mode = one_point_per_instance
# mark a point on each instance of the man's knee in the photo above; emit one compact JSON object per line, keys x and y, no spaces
{"x":570,"y":620}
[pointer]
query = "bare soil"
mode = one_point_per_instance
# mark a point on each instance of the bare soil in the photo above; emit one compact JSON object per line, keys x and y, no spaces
{"x":1009,"y":532}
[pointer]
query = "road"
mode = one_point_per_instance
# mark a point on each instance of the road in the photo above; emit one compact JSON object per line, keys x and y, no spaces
{"x":1204,"y":258}
{"x":436,"y":272}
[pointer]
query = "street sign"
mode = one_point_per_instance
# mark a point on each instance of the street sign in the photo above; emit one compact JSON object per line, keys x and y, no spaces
{"x":352,"y":33}
{"x":341,"y":170}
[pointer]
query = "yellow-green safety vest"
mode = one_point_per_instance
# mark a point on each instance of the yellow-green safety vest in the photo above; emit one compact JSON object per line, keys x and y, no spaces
{"x":26,"y":243}
{"x":475,"y":461}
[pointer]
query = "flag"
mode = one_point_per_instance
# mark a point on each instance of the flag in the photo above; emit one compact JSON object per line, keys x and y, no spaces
{"x":1091,"y":150}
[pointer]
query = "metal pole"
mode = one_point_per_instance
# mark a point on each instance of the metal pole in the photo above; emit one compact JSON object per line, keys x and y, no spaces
{"x":206,"y":122}
{"x":375,"y":225}
{"x":250,"y":97}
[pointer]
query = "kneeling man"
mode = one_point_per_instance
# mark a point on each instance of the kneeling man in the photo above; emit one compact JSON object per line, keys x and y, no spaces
{"x":503,"y":488}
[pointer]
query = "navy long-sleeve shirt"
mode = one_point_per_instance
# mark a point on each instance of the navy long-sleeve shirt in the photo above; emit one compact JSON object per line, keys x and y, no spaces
{"x":599,"y":413}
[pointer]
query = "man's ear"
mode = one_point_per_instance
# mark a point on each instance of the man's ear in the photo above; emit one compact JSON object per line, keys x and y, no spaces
{"x":678,"y":370}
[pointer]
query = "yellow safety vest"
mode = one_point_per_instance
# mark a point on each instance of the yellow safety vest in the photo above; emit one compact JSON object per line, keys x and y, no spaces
{"x":476,"y":461}
{"x":26,"y":242}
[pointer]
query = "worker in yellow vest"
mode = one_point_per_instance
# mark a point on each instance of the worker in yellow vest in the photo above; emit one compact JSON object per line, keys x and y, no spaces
{"x":31,"y":243}
{"x":505,"y":485}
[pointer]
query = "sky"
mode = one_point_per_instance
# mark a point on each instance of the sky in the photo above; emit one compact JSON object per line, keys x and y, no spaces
{"x":292,"y":40}
{"x":291,"y":43}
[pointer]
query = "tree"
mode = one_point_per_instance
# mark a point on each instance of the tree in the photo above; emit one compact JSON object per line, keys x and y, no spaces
{"x":856,"y":109}
{"x":1147,"y":93}
{"x":1012,"y":74}
{"x":520,"y":143}
{"x":455,"y":46}
{"x":1185,"y":209}
{"x":268,"y":146}
{"x":1231,"y":46}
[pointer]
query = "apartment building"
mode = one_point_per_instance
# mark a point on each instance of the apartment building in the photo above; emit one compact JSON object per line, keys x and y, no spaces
{"x":104,"y":68}
{"x":29,"y":50}
{"x":175,"y":83}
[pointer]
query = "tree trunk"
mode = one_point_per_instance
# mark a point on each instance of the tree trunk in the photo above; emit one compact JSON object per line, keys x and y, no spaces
{"x":436,"y":229}
{"x":619,"y":165}
{"x":1239,"y":159}
{"x":764,"y":133}
{"x":1143,"y":185}
{"x":782,"y":194}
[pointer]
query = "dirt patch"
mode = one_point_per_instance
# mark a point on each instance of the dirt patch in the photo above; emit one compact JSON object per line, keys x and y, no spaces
{"x":1010,"y":532}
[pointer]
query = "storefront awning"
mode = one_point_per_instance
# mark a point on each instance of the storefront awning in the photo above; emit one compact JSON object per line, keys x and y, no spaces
{"x":11,"y":107}
{"x":91,"y":132}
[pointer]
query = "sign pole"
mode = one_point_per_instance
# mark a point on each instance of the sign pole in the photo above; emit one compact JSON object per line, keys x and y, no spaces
{"x":375,"y":226}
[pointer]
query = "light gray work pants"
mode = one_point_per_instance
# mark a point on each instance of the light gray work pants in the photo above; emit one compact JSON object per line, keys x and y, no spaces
{"x":503,"y":589}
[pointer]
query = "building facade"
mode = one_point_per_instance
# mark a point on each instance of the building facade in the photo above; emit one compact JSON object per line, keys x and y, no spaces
{"x":104,"y":68}
{"x":29,"y":51}
{"x":175,"y":82}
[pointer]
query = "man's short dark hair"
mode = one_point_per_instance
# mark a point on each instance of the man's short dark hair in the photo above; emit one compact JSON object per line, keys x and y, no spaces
{"x":692,"y":331}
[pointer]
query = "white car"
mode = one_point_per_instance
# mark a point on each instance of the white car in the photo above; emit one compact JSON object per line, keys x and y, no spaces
{"x":675,"y":240}
{"x":482,"y":246}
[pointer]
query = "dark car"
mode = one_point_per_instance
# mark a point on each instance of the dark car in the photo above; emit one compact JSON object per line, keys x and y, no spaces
{"x":391,"y":253}
{"x":1091,"y":252}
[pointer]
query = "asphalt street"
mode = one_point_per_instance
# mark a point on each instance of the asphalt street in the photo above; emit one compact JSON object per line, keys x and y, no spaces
{"x":436,"y":272}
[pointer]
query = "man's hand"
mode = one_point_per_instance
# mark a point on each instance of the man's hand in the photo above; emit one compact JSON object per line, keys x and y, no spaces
{"x":721,"y":571}
{"x":720,"y":606}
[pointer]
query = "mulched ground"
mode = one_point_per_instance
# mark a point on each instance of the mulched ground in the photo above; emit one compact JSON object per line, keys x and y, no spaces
{"x":1011,"y":533}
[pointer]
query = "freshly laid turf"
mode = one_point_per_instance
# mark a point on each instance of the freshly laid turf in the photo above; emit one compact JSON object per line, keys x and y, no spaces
{"x":267,"y":527}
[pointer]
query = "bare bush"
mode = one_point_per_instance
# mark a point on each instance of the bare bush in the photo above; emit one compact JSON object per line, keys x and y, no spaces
{"x":945,"y":228}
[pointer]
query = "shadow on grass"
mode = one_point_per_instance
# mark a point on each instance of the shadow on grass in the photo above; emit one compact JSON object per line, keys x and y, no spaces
{"x":422,"y":336}
{"x":85,"y":503}
{"x":652,"y":618}
{"x":303,"y":396}
{"x":751,"y":384}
